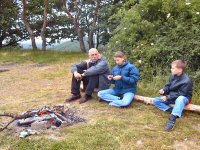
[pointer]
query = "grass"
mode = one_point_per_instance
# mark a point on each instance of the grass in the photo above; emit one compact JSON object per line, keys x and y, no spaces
{"x":43,"y":78}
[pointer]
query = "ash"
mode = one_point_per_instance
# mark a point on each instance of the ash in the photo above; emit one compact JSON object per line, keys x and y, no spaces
{"x":35,"y":120}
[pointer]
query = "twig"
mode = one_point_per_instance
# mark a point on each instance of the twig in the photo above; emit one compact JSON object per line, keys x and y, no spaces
{"x":7,"y":125}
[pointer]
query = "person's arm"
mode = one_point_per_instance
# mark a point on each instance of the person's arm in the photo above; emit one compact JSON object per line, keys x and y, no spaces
{"x":81,"y":66}
{"x":186,"y":89}
{"x":99,"y":68}
{"x":166,"y":88}
{"x":133,"y":77}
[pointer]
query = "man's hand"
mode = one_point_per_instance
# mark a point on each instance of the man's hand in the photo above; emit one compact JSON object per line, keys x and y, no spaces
{"x":161,"y":91}
{"x":117,"y":77}
{"x":164,"y":98}
{"x":110,"y":77}
{"x":77,"y":76}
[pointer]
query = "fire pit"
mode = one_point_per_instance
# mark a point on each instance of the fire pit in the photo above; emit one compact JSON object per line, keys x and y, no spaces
{"x":35,"y":120}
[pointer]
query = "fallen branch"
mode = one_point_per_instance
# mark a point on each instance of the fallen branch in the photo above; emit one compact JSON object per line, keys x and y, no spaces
{"x":1,"y":129}
{"x":148,"y":100}
{"x":3,"y":69}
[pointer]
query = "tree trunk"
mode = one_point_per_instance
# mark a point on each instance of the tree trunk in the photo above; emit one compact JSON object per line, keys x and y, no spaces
{"x":92,"y":27}
{"x":27,"y":26}
{"x":81,"y":41}
{"x":42,"y":34}
{"x":75,"y":20}
{"x":1,"y":42}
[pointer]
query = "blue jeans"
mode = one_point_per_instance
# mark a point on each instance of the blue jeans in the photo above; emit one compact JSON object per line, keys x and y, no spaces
{"x":178,"y":108}
{"x":112,"y":96}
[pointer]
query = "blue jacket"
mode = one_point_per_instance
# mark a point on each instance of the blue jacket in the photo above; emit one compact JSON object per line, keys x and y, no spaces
{"x":130,"y":75}
{"x":178,"y":86}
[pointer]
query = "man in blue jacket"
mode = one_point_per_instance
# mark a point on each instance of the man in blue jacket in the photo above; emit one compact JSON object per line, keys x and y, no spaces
{"x":124,"y":76}
{"x":93,"y":72}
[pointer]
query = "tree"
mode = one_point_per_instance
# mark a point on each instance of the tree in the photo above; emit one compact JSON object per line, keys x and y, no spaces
{"x":84,"y":15}
{"x":158,"y":32}
{"x":44,"y":25}
{"x":11,"y":27}
{"x":27,"y":25}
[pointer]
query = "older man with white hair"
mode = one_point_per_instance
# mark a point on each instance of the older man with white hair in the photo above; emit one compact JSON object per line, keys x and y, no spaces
{"x":93,"y":73}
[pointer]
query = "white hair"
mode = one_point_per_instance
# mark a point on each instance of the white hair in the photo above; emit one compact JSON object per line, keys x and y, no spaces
{"x":93,"y":49}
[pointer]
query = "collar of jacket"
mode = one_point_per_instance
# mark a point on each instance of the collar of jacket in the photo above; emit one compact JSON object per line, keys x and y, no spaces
{"x":124,"y":64}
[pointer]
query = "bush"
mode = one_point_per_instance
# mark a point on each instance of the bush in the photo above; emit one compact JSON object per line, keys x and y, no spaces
{"x":154,"y":33}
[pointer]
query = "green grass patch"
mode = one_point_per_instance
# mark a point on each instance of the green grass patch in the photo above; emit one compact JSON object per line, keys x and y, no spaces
{"x":40,"y":57}
{"x":107,"y":128}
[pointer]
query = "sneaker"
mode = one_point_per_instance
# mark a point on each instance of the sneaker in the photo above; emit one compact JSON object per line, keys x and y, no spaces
{"x":72,"y":98}
{"x":85,"y":98}
{"x":169,"y":109}
{"x":171,"y":123}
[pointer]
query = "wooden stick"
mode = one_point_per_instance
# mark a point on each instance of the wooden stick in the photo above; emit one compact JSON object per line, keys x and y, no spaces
{"x":148,"y":100}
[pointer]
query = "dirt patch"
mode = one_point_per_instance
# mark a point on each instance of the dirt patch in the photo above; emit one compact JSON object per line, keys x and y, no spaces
{"x":26,"y":86}
{"x":186,"y":145}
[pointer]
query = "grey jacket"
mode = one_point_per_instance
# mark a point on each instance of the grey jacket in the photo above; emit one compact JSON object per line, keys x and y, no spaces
{"x":99,"y":68}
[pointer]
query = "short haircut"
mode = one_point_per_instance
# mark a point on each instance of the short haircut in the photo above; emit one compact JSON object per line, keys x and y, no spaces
{"x":93,"y":49}
{"x":120,"y":54}
{"x":180,"y":64}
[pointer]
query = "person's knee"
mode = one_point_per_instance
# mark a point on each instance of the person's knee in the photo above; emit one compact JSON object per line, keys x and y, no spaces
{"x":181,"y":99}
{"x":155,"y":101}
{"x":126,"y":103}
{"x":100,"y":93}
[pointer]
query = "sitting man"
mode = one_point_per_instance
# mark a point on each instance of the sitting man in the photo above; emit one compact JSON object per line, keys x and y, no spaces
{"x":92,"y":72}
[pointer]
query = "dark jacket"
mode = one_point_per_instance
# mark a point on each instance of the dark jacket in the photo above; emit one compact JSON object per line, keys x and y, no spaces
{"x":178,"y":86}
{"x":130,"y":75}
{"x":99,"y":68}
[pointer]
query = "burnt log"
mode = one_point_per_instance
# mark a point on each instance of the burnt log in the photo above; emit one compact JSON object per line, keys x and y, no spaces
{"x":148,"y":100}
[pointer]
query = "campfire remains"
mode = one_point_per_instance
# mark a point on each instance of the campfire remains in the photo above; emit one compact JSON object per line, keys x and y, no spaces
{"x":35,"y":120}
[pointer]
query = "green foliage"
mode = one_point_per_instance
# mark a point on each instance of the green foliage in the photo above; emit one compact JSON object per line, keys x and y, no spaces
{"x":11,"y":29}
{"x":157,"y":32}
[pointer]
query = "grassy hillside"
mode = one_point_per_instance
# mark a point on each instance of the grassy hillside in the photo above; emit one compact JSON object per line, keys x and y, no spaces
{"x":39,"y":78}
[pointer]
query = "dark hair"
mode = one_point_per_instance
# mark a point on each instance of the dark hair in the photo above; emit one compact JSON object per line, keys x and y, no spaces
{"x":180,"y":64}
{"x":120,"y":54}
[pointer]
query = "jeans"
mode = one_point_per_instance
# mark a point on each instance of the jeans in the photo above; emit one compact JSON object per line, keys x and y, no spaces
{"x":178,"y":108}
{"x":113,"y":97}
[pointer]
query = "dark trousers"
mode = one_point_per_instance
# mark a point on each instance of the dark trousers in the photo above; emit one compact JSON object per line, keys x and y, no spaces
{"x":89,"y":84}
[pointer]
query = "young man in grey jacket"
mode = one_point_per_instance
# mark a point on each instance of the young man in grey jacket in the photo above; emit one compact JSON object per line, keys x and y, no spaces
{"x":92,"y":72}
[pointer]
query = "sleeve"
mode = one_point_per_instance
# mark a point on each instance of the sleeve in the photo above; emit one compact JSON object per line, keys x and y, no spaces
{"x":134,"y":76}
{"x":112,"y":81}
{"x":82,"y":66}
{"x":166,"y":88}
{"x":100,"y":68}
{"x":186,"y":89}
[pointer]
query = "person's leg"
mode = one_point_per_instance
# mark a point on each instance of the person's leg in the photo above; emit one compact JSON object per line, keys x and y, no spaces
{"x":103,"y":82}
{"x":179,"y":106}
{"x":93,"y":82}
{"x":126,"y":100}
{"x":85,"y":81}
{"x":162,"y":105}
{"x":75,"y":86}
{"x":108,"y":95}
{"x":75,"y":90}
